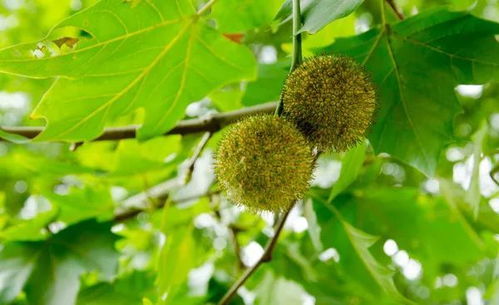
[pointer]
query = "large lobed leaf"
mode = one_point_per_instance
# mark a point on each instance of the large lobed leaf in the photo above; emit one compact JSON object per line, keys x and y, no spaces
{"x":416,"y":64}
{"x":50,"y":270}
{"x":153,"y":54}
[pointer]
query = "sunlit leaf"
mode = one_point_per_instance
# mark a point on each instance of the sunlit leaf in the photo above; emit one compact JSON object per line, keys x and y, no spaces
{"x":146,"y":55}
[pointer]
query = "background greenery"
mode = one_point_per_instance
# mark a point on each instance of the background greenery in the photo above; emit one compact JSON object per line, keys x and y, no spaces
{"x":409,"y":216}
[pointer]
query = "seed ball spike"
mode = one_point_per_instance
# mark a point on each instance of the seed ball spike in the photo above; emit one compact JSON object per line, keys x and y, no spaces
{"x":264,"y":163}
{"x":331,"y":100}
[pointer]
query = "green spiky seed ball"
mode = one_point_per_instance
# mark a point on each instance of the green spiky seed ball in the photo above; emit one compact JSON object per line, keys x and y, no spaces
{"x":332,"y":100}
{"x":264,"y":163}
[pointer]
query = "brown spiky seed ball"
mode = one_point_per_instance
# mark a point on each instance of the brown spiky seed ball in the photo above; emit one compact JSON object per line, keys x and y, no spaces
{"x":332,"y":100}
{"x":264,"y":163}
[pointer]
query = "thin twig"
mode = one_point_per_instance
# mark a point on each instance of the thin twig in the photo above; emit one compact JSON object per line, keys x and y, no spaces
{"x":395,"y":9}
{"x":209,"y":123}
{"x":134,"y":204}
{"x":266,"y":257}
{"x":189,"y":168}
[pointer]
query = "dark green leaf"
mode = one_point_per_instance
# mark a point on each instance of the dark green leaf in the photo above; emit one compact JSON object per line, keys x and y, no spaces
{"x":406,"y":61}
{"x":356,"y":259}
{"x":50,"y":270}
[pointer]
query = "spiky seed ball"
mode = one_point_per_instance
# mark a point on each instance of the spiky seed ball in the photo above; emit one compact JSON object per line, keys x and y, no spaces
{"x":264,"y":163}
{"x":332,"y":100}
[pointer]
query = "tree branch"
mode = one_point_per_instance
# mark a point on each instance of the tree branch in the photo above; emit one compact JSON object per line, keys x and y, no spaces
{"x":266,"y":257}
{"x":210,"y":123}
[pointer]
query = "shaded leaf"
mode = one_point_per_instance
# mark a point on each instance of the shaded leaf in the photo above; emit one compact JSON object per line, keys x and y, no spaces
{"x":355,"y":258}
{"x":50,"y":270}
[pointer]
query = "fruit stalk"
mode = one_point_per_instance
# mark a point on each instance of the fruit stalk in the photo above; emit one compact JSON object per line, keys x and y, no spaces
{"x":296,"y":57}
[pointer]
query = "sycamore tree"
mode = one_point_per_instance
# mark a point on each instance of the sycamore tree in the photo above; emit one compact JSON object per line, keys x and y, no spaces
{"x":111,"y":113}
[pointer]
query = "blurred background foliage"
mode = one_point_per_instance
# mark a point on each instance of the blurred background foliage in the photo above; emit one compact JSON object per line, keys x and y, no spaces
{"x":372,"y":230}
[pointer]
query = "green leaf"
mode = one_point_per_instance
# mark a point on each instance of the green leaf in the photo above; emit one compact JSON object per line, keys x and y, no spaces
{"x":140,"y":54}
{"x":29,"y":230}
{"x":176,"y":259}
{"x":351,"y":164}
{"x":178,"y":255}
{"x":355,"y":258}
{"x":50,"y":270}
{"x":267,"y":87}
{"x":83,"y":203}
{"x":431,"y":229}
{"x":234,"y":16}
{"x":13,"y":137}
{"x":128,"y":290}
{"x":317,"y":14}
{"x":406,"y":61}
